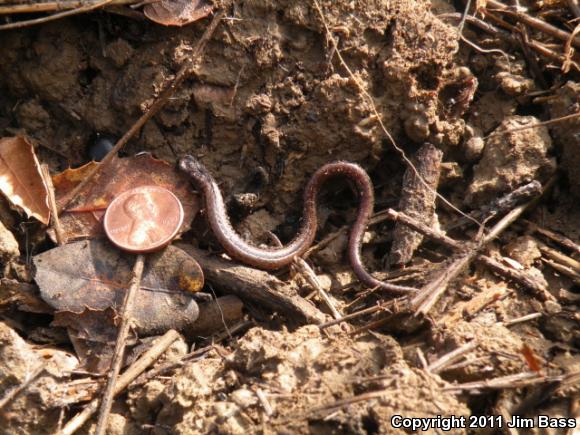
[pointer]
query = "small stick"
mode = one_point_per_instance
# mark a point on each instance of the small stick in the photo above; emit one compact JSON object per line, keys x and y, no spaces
{"x":185,"y":71}
{"x":60,"y":238}
{"x":511,"y":381}
{"x":451,"y":357}
{"x":425,"y":230}
{"x":31,"y":8}
{"x":535,"y":125}
{"x":167,"y":367}
{"x":502,"y":204}
{"x":306,"y":271}
{"x":430,"y":294}
{"x":465,"y":363}
{"x":384,"y":306}
{"x":508,"y":37}
{"x":157,"y":349}
{"x":564,"y":241}
{"x":265,"y":403}
{"x":561,"y":258}
{"x":517,"y":275}
{"x":422,"y":359}
{"x":534,"y":22}
{"x":521,"y":319}
{"x":126,"y":320}
{"x":14,"y":392}
{"x":58,"y":16}
{"x":575,"y":277}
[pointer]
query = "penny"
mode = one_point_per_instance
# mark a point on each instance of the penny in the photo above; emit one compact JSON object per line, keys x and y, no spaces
{"x":144,"y":219}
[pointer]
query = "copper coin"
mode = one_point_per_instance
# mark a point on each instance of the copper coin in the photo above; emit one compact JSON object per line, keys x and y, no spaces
{"x":143,"y":219}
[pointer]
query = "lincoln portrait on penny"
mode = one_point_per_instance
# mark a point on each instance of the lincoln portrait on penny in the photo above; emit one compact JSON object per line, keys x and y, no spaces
{"x":143,"y":212}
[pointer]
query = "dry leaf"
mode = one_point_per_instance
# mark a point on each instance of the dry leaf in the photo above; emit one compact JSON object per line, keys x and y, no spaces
{"x":121,"y":174}
{"x":21,"y":179}
{"x":177,"y":12}
{"x":94,"y":274}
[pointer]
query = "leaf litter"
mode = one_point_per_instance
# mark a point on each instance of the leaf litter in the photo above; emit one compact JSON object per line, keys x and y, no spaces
{"x":85,"y":283}
{"x":21,"y":178}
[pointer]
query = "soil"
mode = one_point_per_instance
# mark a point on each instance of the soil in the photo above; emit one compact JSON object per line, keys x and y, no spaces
{"x":270,"y":102}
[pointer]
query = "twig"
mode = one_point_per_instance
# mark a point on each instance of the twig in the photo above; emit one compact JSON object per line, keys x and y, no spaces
{"x":534,"y":125}
{"x":521,"y":319}
{"x":308,"y":274}
{"x":185,"y":71}
{"x":81,"y":10}
{"x":422,"y":359}
{"x":265,"y":403}
{"x":14,"y":392}
{"x":506,"y":202}
{"x":126,"y":320}
{"x":534,"y":22}
{"x":30,"y":8}
{"x":511,"y":381}
{"x":255,"y":286}
{"x":384,"y":306}
{"x":429,"y":294}
{"x":507,"y":36}
{"x":157,"y":349}
{"x":575,"y":277}
{"x":561,"y":258}
{"x":60,"y":238}
{"x":167,"y":367}
{"x":451,"y":357}
{"x":519,"y":276}
{"x":558,"y":238}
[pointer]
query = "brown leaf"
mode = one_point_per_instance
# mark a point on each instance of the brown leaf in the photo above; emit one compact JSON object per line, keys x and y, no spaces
{"x":177,"y":12}
{"x":21,"y":179}
{"x":95,"y":275}
{"x":121,"y":174}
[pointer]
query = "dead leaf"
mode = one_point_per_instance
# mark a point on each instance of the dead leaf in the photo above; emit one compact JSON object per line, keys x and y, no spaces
{"x":95,"y":275}
{"x":177,"y":12}
{"x":84,"y":220}
{"x":21,"y":179}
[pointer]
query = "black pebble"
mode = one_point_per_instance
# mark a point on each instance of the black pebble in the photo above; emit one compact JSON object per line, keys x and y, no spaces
{"x":100,"y":148}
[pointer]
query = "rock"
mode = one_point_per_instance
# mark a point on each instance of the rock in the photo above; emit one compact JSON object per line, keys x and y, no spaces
{"x":524,"y":250}
{"x":8,"y":244}
{"x":510,"y":160}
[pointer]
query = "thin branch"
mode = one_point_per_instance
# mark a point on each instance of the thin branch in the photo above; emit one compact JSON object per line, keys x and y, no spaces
{"x":536,"y":23}
{"x":58,"y":16}
{"x":384,"y":306}
{"x":157,"y":349}
{"x":31,"y":8}
{"x":504,"y":382}
{"x":126,"y":320}
{"x":451,"y":357}
{"x":521,"y":319}
{"x":308,"y":274}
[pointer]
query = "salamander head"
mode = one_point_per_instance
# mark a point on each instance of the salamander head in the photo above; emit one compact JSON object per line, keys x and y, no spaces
{"x":194,"y":168}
